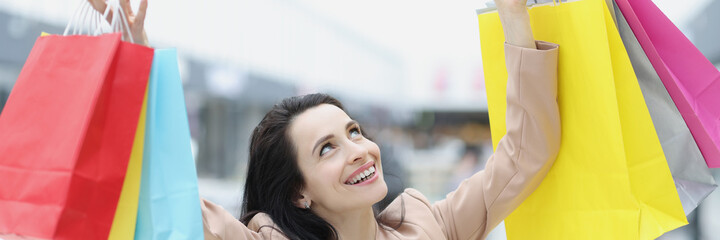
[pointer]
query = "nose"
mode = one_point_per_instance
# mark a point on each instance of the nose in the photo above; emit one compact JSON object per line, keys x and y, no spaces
{"x":356,"y":152}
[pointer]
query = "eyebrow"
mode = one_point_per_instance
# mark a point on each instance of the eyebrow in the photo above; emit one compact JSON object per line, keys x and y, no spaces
{"x":350,"y":123}
{"x":320,"y":141}
{"x":325,"y":138}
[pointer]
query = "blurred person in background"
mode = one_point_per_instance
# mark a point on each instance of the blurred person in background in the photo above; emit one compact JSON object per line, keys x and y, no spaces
{"x":312,"y":173}
{"x":468,"y":164}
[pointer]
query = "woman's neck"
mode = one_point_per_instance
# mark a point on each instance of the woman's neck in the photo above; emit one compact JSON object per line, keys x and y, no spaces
{"x":358,"y":224}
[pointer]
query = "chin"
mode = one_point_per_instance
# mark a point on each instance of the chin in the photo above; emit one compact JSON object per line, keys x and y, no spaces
{"x":380,"y":191}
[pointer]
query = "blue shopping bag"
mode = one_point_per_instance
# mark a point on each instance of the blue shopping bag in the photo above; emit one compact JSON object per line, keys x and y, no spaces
{"x":169,"y":206}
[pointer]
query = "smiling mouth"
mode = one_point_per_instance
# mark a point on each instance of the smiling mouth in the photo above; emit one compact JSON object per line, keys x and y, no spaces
{"x":362,"y":176}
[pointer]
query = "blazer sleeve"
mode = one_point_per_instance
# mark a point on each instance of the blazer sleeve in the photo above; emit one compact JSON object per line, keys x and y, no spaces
{"x":219,"y":224}
{"x":523,"y":156}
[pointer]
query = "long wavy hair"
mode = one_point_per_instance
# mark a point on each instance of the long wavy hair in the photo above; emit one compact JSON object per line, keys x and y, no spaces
{"x":274,"y":180}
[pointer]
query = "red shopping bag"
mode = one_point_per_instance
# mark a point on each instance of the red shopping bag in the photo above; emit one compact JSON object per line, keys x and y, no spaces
{"x":66,"y":135}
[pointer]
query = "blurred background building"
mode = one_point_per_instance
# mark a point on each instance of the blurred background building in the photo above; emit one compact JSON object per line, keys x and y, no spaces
{"x":409,"y":71}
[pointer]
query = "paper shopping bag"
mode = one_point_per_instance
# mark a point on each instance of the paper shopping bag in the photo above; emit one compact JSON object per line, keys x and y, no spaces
{"x":125,"y":220}
{"x":690,"y":79}
{"x":692,"y":177}
{"x":66,"y":135}
{"x":169,"y":206}
{"x":610,"y":174}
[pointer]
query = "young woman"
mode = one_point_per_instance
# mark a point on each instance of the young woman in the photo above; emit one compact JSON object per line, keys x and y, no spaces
{"x":313,"y":175}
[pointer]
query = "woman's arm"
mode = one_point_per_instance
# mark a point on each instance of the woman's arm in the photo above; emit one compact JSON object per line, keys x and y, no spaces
{"x":218,"y":224}
{"x":515,"y":21}
{"x":528,"y":150}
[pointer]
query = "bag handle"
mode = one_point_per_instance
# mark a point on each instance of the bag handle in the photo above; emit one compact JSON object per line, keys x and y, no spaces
{"x":87,"y":21}
{"x":78,"y":23}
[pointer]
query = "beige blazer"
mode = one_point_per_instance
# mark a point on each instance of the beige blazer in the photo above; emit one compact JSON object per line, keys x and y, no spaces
{"x":481,"y":202}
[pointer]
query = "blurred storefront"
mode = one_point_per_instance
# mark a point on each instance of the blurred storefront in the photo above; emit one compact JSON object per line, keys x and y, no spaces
{"x":705,"y":32}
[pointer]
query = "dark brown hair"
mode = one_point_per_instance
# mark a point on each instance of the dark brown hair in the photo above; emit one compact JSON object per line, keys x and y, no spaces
{"x":274,"y":180}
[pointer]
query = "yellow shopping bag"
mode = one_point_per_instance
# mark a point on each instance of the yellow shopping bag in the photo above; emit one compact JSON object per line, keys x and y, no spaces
{"x":611,"y":179}
{"x":123,"y":226}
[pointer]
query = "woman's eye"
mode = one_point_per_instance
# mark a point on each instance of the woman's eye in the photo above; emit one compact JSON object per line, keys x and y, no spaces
{"x":325,"y":148}
{"x":355,"y":132}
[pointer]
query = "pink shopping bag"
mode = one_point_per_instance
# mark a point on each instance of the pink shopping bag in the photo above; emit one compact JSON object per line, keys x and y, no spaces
{"x":690,"y":79}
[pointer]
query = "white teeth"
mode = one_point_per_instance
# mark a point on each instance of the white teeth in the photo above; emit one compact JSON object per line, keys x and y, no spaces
{"x":362,"y":175}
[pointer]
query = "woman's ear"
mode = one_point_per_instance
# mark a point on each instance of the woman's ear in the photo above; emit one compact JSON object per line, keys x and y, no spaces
{"x":303,"y":202}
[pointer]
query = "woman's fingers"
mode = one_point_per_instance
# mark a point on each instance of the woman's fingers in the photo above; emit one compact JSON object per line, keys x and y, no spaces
{"x":139,"y":24}
{"x":125,"y":4}
{"x":140,"y":17}
{"x":136,"y":22}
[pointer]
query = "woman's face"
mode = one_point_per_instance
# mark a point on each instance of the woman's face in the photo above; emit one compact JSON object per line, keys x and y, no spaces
{"x":341,"y":167}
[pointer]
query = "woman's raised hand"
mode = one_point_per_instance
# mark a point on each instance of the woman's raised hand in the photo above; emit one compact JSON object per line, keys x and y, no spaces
{"x":135,"y":20}
{"x":516,"y":22}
